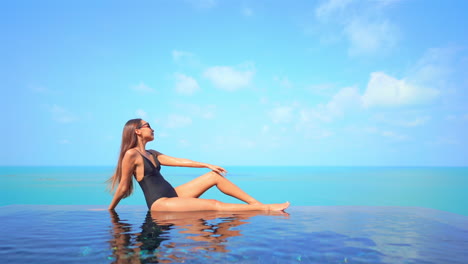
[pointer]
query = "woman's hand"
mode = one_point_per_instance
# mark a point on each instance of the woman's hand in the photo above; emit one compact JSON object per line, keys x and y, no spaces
{"x":217,"y":169}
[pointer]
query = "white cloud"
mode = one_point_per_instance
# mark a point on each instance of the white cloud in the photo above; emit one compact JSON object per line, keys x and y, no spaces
{"x":282,"y":114}
{"x":229,"y":79}
{"x":142,"y":87}
{"x":437,"y":70}
{"x":61,"y":114}
{"x":178,"y":121}
{"x":384,"y":90}
{"x":361,"y":23}
{"x":141,"y":113}
{"x":370,"y":37}
{"x":186,"y":85}
{"x":346,"y":100}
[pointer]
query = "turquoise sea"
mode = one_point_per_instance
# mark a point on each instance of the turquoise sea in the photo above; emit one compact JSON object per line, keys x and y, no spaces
{"x":338,"y":215}
{"x":442,"y":188}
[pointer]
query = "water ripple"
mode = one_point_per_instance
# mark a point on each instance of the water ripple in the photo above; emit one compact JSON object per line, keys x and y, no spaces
{"x":60,"y":234}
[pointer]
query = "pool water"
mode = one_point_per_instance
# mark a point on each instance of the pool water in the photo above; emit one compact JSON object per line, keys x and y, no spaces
{"x":305,"y":234}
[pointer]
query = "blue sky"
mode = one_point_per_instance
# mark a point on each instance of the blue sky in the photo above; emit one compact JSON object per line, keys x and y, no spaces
{"x":322,"y":83}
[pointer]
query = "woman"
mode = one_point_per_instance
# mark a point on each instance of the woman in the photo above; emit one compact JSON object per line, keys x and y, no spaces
{"x":145,"y":165}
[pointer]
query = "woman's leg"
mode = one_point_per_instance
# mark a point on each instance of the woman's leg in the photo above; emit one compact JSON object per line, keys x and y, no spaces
{"x":196,"y":187}
{"x":196,"y":204}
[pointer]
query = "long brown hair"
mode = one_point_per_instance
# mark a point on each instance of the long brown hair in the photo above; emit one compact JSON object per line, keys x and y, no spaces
{"x":129,"y":140}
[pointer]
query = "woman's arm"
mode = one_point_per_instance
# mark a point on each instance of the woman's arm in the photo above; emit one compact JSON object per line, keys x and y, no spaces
{"x":179,"y":162}
{"x":128,"y":166}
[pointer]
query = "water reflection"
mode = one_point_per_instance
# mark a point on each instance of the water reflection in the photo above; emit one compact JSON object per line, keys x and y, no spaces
{"x":167,"y":237}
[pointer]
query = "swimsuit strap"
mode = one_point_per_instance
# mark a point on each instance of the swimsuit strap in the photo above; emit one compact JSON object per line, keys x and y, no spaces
{"x":154,"y":158}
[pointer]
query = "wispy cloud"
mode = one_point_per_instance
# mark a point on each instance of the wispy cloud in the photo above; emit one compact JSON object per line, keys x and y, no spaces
{"x":370,"y":37}
{"x":229,"y":78}
{"x":40,"y":89}
{"x":382,"y":133}
{"x":419,"y":121}
{"x":61,"y":115}
{"x":282,"y":114}
{"x":402,"y":119}
{"x":444,"y":141}
{"x":205,"y":111}
{"x":185,"y":85}
{"x":394,"y":136}
{"x":248,"y":12}
{"x":321,"y":89}
{"x":283,"y":82}
{"x":183,"y":143}
{"x":178,"y":55}
{"x":202,"y":4}
{"x":453,"y":117}
{"x":331,"y":7}
{"x":143,"y":88}
{"x":64,"y":141}
{"x":345,"y":100}
{"x":177,"y":121}
{"x":438,"y":66}
{"x":361,"y":23}
{"x":140,"y":113}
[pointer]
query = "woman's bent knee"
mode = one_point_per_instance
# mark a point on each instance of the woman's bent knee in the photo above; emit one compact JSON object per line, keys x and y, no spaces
{"x":214,"y":176}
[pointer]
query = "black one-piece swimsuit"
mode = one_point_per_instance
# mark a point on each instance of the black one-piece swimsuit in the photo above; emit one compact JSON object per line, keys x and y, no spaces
{"x":153,"y":184}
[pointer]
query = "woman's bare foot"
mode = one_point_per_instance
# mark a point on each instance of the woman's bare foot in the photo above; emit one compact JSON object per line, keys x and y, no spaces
{"x":278,"y":207}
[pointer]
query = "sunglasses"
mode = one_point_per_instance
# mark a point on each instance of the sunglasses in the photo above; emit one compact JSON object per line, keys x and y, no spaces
{"x":144,"y":125}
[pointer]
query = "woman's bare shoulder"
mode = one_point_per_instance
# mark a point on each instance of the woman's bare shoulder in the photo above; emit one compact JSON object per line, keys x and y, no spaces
{"x":155,"y":152}
{"x":131,"y":153}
